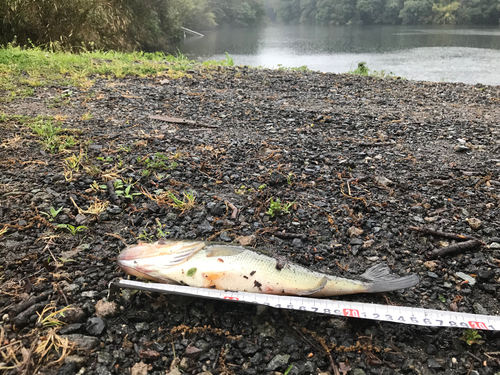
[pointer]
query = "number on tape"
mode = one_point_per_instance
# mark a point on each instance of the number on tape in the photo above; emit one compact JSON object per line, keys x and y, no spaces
{"x":397,"y":314}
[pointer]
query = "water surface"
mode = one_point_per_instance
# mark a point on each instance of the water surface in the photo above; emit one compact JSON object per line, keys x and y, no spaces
{"x":452,"y":54}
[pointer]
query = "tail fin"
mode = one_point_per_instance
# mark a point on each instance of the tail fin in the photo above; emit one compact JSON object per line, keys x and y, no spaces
{"x":383,"y":281}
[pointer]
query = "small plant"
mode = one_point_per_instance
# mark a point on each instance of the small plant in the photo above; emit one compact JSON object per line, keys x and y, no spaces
{"x":124,"y":192}
{"x":471,"y":336}
{"x":94,"y":186}
{"x":49,"y":133}
{"x":243,"y":190}
{"x":157,"y":161}
{"x":87,"y":116}
{"x":288,"y":369}
{"x":71,"y":228}
{"x":109,"y":159}
{"x":159,"y":231}
{"x":53,"y":213}
{"x":289,"y":178}
{"x":186,"y":204}
{"x":145,"y":236}
{"x":262,"y":187}
{"x":278,"y":208}
{"x":49,"y":317}
{"x":124,"y":148}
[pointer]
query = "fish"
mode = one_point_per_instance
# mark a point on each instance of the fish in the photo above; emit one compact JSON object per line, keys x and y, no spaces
{"x":238,"y":268}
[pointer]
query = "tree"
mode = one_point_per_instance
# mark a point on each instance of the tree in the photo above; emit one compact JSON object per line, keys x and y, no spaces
{"x":370,"y":11}
{"x":445,"y":13}
{"x":416,"y":11}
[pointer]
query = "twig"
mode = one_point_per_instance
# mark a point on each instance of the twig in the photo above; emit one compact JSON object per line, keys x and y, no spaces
{"x":456,"y":248}
{"x":234,"y":215}
{"x":450,"y":236}
{"x":111,"y":191}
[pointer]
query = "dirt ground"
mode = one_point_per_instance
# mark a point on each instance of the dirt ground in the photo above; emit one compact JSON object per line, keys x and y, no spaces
{"x":358,"y":160}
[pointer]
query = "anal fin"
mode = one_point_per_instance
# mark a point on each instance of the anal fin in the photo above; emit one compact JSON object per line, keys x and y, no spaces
{"x":321,"y":285}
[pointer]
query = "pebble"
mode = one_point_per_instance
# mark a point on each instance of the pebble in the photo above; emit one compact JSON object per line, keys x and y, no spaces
{"x":297,"y":243}
{"x":278,"y":361}
{"x":83,"y":342}
{"x":474,"y":223}
{"x":104,"y":309}
{"x":466,"y":277}
{"x":205,"y":227}
{"x":139,"y":368}
{"x":384,"y":181}
{"x":354,"y":232}
{"x":247,"y":240}
{"x":494,"y":245}
{"x":358,"y":371}
{"x":95,"y":326}
{"x":67,"y":369}
{"x":225,"y":237}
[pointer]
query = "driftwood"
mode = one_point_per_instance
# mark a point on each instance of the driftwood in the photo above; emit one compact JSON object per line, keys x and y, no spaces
{"x":176,"y":120}
{"x":456,"y":248}
{"x":450,"y":236}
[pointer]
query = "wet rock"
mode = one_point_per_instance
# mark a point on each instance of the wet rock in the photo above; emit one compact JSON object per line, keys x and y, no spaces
{"x":433,"y":363}
{"x":142,"y":326}
{"x":102,"y":370}
{"x":105,"y":309}
{"x":479,"y":309}
{"x":224,"y":237}
{"x":494,"y":245}
{"x":95,"y":326}
{"x":139,"y":368}
{"x":278,"y":361}
{"x":67,"y":369}
{"x":83,"y":342}
{"x":358,"y":371}
{"x":461,"y":148}
{"x":205,"y":227}
{"x":277,"y":179}
{"x":70,"y":328}
{"x":297,"y":243}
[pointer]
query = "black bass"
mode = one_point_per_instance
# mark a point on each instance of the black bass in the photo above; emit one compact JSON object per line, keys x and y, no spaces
{"x":236,"y":268}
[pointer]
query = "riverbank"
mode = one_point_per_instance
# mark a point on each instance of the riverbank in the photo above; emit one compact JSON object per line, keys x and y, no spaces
{"x":362,"y":160}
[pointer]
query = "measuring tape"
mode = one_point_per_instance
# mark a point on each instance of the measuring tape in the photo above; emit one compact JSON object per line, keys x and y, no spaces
{"x":386,"y":313}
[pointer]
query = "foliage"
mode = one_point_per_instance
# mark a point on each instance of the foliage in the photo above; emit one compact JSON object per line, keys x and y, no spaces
{"x":53,"y":213}
{"x":278,"y":208}
{"x":238,"y":12}
{"x":363,"y":70}
{"x":71,"y":228}
{"x":471,"y":336}
{"x":124,"y":192}
{"x":386,"y":11}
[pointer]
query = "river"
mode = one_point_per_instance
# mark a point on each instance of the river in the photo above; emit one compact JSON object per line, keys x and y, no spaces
{"x":430,"y":53}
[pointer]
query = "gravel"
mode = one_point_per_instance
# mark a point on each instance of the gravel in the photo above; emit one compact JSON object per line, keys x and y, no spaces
{"x":360,"y":159}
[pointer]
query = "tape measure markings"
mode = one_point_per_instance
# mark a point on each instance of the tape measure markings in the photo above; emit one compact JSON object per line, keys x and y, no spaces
{"x":387,"y":313}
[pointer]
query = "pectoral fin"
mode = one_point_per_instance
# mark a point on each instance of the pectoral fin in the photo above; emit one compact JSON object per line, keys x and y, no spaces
{"x":306,"y":292}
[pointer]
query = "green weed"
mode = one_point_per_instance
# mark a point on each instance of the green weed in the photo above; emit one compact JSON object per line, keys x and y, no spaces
{"x":71,"y":228}
{"x":187,"y":202}
{"x":278,"y":208}
{"x":53,"y":213}
{"x":124,"y":192}
{"x":471,"y":336}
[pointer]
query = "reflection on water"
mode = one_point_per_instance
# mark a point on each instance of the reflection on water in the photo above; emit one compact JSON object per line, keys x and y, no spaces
{"x":422,"y":53}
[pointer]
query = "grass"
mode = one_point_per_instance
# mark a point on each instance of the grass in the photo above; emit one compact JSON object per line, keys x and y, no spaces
{"x":52,"y":136}
{"x":23,"y":69}
{"x":278,"y":208}
{"x":363,"y":70}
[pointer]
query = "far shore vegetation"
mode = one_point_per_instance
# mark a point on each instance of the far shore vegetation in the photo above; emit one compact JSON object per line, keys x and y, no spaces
{"x":152,"y":25}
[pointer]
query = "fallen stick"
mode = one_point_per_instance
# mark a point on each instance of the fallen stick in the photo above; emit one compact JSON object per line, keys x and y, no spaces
{"x":111,"y":192}
{"x":176,"y":120}
{"x":451,"y":236}
{"x":456,"y":248}
{"x":234,"y":215}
